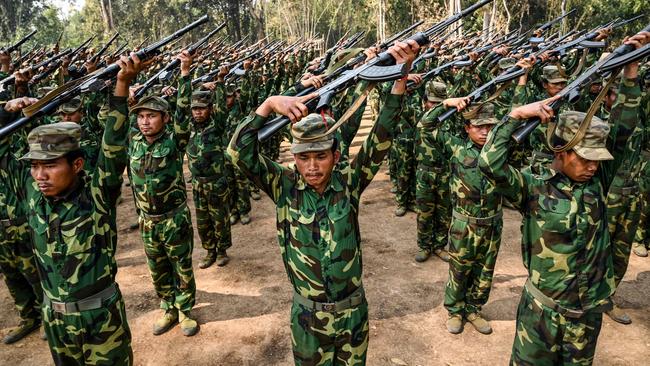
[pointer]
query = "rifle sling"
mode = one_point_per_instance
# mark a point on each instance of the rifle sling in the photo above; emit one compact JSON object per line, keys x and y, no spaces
{"x":346,"y":116}
{"x":584,"y":125}
{"x":472,"y":113}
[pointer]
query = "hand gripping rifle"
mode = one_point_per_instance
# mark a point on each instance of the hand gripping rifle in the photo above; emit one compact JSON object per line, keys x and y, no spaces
{"x":9,"y":80}
{"x":622,"y":55}
{"x":162,"y":74}
{"x":94,"y":58}
{"x":91,"y":82}
{"x":17,"y":45}
{"x":381,"y":68}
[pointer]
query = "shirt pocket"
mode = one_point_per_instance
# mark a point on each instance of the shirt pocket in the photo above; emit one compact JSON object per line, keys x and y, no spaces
{"x":161,"y":158}
{"x":554,"y":215}
{"x":136,"y":162}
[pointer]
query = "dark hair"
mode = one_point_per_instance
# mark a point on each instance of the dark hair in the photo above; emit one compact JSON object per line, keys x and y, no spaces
{"x":335,"y":145}
{"x":71,"y":156}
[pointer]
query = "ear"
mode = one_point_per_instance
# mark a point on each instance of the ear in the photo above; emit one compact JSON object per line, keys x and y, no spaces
{"x":78,"y":165}
{"x":166,"y":118}
{"x":337,"y":156}
{"x":466,"y":127}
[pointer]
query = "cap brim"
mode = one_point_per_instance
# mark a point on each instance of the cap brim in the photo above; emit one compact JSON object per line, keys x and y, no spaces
{"x":593,"y":153}
{"x":297,"y":148}
{"x":435,"y":99}
{"x":558,"y":80}
{"x":484,"y":121}
{"x":136,"y":109}
{"x":39,"y":155}
{"x":199,"y":105}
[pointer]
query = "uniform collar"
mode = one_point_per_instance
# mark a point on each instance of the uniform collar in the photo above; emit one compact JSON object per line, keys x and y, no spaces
{"x":334,"y":183}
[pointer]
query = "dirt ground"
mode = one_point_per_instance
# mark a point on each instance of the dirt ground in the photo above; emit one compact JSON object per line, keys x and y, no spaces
{"x":243,"y":308}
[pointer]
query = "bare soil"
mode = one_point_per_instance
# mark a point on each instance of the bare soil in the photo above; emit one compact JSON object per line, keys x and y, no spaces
{"x":243,"y":308}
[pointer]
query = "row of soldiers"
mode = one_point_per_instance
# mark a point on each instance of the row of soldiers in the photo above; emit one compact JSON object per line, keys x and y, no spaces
{"x":75,"y":215}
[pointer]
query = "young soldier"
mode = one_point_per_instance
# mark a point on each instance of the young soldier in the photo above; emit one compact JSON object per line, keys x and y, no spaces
{"x":156,"y":171}
{"x":317,"y":220}
{"x":72,"y":216}
{"x":207,"y":162}
{"x":565,"y":240}
{"x":475,"y":230}
{"x":91,"y":131}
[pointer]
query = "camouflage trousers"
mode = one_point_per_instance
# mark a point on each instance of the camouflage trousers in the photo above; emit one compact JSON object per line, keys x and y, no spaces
{"x":545,"y":337}
{"x":432,"y":198}
{"x":92,"y":337}
{"x":18,"y":265}
{"x":324,"y":339}
{"x":168,"y":245}
{"x":623,"y":214}
{"x":642,"y":235}
{"x":405,"y":169}
{"x":212,"y":202}
{"x":240,"y":195}
{"x":473,"y":250}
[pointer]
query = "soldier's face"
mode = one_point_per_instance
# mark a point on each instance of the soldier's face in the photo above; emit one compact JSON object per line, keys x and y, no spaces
{"x":230,"y":101}
{"x":55,"y":177}
{"x":553,"y":88}
{"x":71,"y":117}
{"x":429,"y":105}
{"x":201,"y":114}
{"x":478,"y":134}
{"x":611,"y":99}
{"x":151,"y":122}
{"x":316,"y":167}
{"x":577,"y":168}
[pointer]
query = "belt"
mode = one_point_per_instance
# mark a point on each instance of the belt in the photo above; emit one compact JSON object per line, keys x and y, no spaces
{"x":624,"y":190}
{"x":355,"y":299}
{"x":167,"y":215}
{"x":13,"y":222}
{"x":212,"y":179}
{"x":542,"y":156}
{"x":550,"y":303}
{"x":91,"y":302}
{"x":477,"y":220}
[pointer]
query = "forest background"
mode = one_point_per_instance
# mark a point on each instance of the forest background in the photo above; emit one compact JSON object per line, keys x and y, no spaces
{"x":322,"y":20}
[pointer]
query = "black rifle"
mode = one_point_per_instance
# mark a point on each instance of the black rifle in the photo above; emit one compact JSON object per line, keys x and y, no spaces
{"x":92,"y":82}
{"x":9,"y":80}
{"x":94,"y":58}
{"x":381,"y":68}
{"x":549,"y":24}
{"x":621,"y":56}
{"x":17,"y":45}
{"x":174,"y":64}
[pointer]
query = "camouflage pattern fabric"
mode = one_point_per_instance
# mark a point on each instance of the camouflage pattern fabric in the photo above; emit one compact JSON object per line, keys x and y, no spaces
{"x":75,"y":241}
{"x":308,"y":222}
{"x":404,"y":153}
{"x":159,"y":189}
{"x":564,"y":229}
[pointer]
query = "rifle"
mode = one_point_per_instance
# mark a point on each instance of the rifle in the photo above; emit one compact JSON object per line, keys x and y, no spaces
{"x":9,"y":80}
{"x":24,"y":57}
{"x":92,"y":82}
{"x":549,"y":24}
{"x":625,"y":22}
{"x":174,"y":64}
{"x":76,"y":52}
{"x":381,"y":68}
{"x":142,"y":43}
{"x":622,"y":55}
{"x":17,"y":45}
{"x":94,"y":58}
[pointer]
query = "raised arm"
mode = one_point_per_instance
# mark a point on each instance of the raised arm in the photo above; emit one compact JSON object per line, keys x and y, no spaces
{"x":183,"y":111}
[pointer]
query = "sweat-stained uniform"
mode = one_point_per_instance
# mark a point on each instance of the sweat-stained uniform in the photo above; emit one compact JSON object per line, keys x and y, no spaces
{"x":320,"y":241}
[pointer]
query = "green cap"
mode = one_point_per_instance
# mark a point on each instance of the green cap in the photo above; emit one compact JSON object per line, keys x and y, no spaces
{"x":201,"y":99}
{"x":49,"y":142}
{"x":71,"y":106}
{"x":551,"y":74}
{"x":341,"y":58}
{"x":153,"y":103}
{"x":593,"y":145}
{"x":436,"y":91}
{"x":507,"y":62}
{"x":231,"y":88}
{"x":312,"y":128}
{"x":483,"y":115}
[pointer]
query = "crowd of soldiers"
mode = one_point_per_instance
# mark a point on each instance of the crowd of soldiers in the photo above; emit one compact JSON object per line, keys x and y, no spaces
{"x":585,"y":208}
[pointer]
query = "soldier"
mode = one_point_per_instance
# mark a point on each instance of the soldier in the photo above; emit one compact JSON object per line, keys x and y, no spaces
{"x":432,"y":196}
{"x":156,"y":171}
{"x":72,"y":111}
{"x":207,"y":160}
{"x":74,"y":231}
{"x":17,"y":261}
{"x":317,"y":207}
{"x":565,"y":240}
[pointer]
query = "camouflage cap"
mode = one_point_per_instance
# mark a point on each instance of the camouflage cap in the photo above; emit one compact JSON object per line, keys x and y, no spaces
{"x":49,"y":142}
{"x":231,"y":89}
{"x":201,"y":99}
{"x":593,"y":145}
{"x":484,"y":115}
{"x":71,"y":106}
{"x":151,"y":102}
{"x":436,"y":91}
{"x":309,"y":127}
{"x":551,"y":74}
{"x":341,"y":58}
{"x":507,"y":62}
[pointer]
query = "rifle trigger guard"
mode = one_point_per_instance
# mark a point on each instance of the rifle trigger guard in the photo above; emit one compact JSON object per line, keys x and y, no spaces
{"x":384,"y":73}
{"x":324,"y":101}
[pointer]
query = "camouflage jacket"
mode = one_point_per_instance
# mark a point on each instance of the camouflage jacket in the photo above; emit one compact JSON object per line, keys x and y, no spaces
{"x":156,"y":169}
{"x":13,"y":210}
{"x":206,"y":151}
{"x":429,"y":153}
{"x":75,"y":236}
{"x":472,"y":194}
{"x":565,"y":239}
{"x":318,"y":234}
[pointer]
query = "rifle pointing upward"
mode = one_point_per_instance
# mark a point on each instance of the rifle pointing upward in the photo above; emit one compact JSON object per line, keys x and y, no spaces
{"x":17,"y":45}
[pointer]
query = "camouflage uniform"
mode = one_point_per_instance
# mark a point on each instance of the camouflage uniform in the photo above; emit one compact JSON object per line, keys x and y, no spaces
{"x":75,"y":239}
{"x":475,"y":230}
{"x":565,"y":241}
{"x":91,"y":132}
{"x":161,"y":198}
{"x":319,"y":237}
{"x":432,"y":194}
{"x":642,"y":236}
{"x":240,"y":195}
{"x":207,"y":160}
